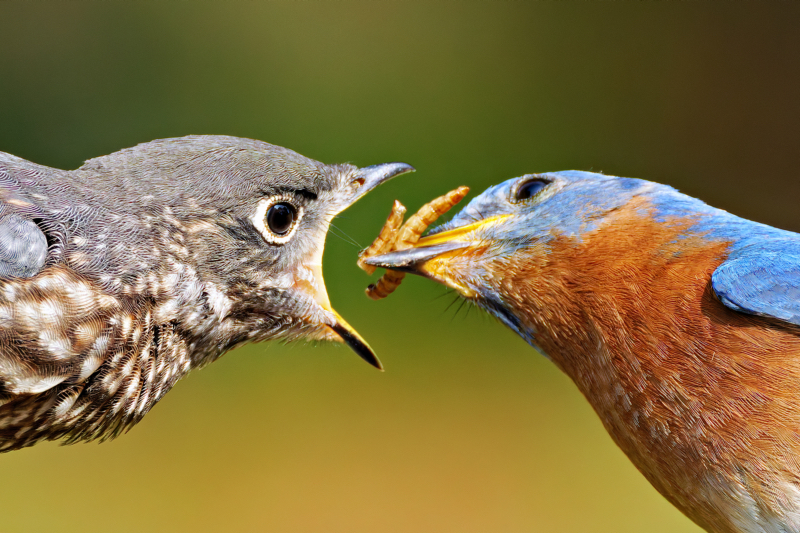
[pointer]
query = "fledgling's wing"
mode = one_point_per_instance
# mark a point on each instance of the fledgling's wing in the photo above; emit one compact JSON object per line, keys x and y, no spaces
{"x":23,"y":247}
{"x":23,"y":244}
{"x":762,"y":280}
{"x":50,"y":317}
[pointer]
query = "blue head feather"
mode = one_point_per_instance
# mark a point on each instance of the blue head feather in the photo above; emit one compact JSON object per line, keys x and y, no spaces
{"x":574,"y":203}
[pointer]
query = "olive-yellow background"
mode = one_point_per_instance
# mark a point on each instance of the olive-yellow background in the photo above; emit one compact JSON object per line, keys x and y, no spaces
{"x":469,"y":429}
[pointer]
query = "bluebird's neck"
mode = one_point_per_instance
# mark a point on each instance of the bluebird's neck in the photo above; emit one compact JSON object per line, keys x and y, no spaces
{"x":627,"y":311}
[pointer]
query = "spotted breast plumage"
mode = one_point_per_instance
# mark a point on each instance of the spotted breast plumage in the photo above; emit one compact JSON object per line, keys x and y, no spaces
{"x":120,"y":277}
{"x":679,"y":322}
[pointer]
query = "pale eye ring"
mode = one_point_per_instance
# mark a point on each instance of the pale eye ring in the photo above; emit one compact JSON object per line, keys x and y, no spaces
{"x":277,"y":218}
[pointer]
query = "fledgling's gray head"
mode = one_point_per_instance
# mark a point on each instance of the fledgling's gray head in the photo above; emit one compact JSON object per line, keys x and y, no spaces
{"x":175,"y":250}
{"x":240,"y":220}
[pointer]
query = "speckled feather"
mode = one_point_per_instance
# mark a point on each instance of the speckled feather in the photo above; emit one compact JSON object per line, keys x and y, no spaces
{"x":676,"y":320}
{"x":120,"y":277}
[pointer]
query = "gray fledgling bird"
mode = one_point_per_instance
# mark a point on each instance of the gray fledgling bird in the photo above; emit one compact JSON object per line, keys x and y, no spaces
{"x":120,"y":277}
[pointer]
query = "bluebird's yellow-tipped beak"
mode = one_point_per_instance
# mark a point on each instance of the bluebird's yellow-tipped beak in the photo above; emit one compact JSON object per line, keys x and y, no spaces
{"x":442,"y":257}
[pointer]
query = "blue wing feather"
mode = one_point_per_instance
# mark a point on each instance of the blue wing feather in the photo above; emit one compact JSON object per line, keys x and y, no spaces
{"x":762,"y":280}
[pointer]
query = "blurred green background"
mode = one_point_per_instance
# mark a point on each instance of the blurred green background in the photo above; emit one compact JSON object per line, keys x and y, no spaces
{"x":469,"y":429}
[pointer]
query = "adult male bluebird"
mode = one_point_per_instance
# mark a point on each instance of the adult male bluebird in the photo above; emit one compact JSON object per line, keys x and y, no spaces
{"x":120,"y":277}
{"x":679,"y":322}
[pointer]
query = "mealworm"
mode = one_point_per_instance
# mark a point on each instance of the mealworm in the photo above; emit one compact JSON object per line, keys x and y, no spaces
{"x":386,"y":238}
{"x":386,"y":285}
{"x":416,"y":225}
{"x":391,"y":238}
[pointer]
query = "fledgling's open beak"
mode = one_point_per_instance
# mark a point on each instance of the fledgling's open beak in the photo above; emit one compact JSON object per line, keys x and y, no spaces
{"x":364,"y":181}
{"x":446,"y":257}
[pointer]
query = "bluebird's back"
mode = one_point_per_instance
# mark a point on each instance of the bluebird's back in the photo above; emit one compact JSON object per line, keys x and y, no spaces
{"x":679,"y":322}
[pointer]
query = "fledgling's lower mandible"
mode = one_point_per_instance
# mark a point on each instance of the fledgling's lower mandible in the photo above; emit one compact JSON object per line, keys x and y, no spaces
{"x":391,"y":239}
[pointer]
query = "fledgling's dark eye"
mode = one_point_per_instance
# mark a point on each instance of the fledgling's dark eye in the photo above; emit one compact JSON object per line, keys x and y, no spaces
{"x":277,"y":218}
{"x":281,"y":217}
{"x":531,"y":188}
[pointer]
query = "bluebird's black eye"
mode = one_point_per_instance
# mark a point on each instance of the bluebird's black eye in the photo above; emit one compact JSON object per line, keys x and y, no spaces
{"x":281,"y":217}
{"x":531,"y":188}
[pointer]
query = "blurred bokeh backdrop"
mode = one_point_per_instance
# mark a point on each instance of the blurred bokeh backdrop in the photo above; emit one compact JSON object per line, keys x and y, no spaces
{"x":469,"y":429}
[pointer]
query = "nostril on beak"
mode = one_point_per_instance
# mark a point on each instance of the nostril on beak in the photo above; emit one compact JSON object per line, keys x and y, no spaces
{"x":370,"y":177}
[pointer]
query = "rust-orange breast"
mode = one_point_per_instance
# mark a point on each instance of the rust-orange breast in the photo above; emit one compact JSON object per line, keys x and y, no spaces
{"x":703,"y":399}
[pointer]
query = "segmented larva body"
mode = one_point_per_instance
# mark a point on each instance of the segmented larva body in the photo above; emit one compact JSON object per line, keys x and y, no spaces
{"x":385,"y":285}
{"x":391,"y":238}
{"x":416,"y":225}
{"x":386,"y":238}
